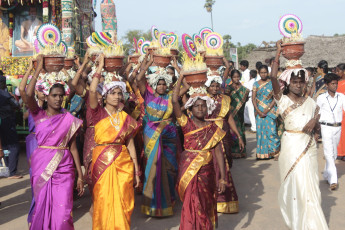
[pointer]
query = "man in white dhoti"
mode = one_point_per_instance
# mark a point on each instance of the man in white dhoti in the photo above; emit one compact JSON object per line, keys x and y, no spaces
{"x":332,"y":105}
{"x":299,"y":194}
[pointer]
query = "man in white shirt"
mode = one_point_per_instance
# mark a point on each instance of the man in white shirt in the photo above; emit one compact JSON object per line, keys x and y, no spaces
{"x":245,"y":71}
{"x":249,"y":112}
{"x":332,"y":105}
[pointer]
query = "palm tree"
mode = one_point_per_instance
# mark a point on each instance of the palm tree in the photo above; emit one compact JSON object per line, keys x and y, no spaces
{"x":208,"y":5}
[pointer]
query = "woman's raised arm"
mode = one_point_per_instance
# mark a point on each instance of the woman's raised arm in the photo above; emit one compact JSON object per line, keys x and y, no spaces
{"x":141,"y":80}
{"x":176,"y":96}
{"x":30,"y":92}
{"x":24,"y":81}
{"x":274,"y":72}
{"x":95,"y":81}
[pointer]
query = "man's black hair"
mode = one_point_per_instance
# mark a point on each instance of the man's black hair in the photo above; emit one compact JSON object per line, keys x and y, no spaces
{"x":245,"y":63}
{"x":328,"y":78}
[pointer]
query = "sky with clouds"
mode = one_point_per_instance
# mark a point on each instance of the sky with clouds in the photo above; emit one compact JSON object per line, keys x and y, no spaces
{"x":247,"y":21}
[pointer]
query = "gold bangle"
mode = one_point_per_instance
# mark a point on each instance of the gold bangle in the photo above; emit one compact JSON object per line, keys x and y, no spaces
{"x":81,"y":179}
{"x":222,"y":181}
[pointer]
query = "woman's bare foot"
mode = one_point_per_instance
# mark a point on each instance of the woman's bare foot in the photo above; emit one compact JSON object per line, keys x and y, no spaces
{"x":15,"y":177}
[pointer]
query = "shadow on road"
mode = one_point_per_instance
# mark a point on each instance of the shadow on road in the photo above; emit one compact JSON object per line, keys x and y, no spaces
{"x":249,"y":189}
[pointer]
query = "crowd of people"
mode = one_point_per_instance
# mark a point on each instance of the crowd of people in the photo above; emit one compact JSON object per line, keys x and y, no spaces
{"x":139,"y":130}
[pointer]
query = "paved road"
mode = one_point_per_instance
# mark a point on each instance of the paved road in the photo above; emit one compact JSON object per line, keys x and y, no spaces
{"x":257,"y":184}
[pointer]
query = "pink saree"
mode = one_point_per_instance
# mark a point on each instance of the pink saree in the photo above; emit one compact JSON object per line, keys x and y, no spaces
{"x":53,"y":171}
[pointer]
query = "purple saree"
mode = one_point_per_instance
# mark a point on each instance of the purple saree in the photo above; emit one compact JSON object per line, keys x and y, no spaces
{"x":53,"y":171}
{"x":31,"y":145}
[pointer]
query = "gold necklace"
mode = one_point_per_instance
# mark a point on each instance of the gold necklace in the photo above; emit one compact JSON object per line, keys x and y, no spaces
{"x":114,"y":121}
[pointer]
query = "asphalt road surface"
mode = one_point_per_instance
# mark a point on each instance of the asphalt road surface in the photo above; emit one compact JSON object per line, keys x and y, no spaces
{"x":257,"y":184}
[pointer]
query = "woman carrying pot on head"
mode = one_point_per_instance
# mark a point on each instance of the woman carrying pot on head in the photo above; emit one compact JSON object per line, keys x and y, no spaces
{"x":114,"y":161}
{"x":30,"y":140}
{"x":81,"y":83}
{"x":227,"y":202}
{"x":160,"y":141}
{"x":54,"y":161}
{"x":268,"y":142}
{"x":196,"y":183}
{"x":239,"y":96}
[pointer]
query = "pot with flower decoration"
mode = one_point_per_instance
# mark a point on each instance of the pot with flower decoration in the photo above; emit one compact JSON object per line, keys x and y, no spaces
{"x":134,"y":59}
{"x":69,"y":63}
{"x":214,"y":62}
{"x":112,"y":64}
{"x":161,"y":60}
{"x":53,"y":63}
{"x":196,"y":78}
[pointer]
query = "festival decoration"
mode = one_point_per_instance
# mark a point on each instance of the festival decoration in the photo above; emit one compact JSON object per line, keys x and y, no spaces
{"x":213,"y":41}
{"x":163,"y":40}
{"x":64,"y":47}
{"x":195,"y":70}
{"x":90,"y":42}
{"x":172,"y":40}
{"x":12,"y":66}
{"x":135,"y":45}
{"x":189,"y":45}
{"x":48,"y":34}
{"x":45,"y":10}
{"x":144,"y":47}
{"x":108,"y":13}
{"x":197,"y":39}
{"x":10,"y":27}
{"x":204,"y":31}
{"x":4,"y":39}
{"x":140,"y":42}
{"x":37,"y":46}
{"x":290,"y":24}
{"x":102,"y":38}
{"x":154,"y":33}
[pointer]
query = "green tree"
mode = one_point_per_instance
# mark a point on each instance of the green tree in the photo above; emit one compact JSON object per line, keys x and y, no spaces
{"x":227,"y":45}
{"x":242,"y":51}
{"x":128,"y":39}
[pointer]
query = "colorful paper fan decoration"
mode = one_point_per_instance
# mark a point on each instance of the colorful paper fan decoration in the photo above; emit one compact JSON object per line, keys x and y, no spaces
{"x":172,"y":39}
{"x":189,"y":45}
{"x":197,"y":39}
{"x":90,"y":42}
{"x":204,"y":31}
{"x":144,"y":47}
{"x":102,"y":38}
{"x":48,"y":34}
{"x":289,"y":24}
{"x":64,"y":47}
{"x":163,"y":40}
{"x":154,"y":33}
{"x":135,"y":45}
{"x":213,"y":41}
{"x":140,"y":42}
{"x":37,"y":46}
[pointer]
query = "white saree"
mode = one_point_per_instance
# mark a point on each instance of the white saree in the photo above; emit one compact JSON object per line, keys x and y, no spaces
{"x":299,"y":194}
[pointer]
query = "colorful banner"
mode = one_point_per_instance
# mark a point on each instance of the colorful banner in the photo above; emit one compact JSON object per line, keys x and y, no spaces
{"x":108,"y":13}
{"x":27,"y":20}
{"x":4,"y":36}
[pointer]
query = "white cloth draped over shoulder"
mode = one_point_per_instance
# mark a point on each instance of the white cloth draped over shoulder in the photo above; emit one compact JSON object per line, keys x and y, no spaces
{"x":299,"y":194}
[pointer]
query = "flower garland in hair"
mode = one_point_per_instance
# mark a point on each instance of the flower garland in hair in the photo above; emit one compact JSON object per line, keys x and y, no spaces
{"x":109,"y":77}
{"x":199,"y":90}
{"x":93,"y":71}
{"x":54,"y":77}
{"x":159,"y":74}
{"x":10,"y":26}
{"x":71,"y":73}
